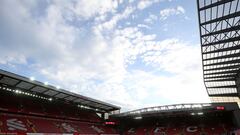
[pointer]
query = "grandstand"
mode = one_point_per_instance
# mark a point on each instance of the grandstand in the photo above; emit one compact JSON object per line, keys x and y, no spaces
{"x":28,"y":106}
{"x":184,"y":119}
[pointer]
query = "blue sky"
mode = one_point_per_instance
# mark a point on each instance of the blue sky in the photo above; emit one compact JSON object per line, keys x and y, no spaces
{"x":129,"y":53}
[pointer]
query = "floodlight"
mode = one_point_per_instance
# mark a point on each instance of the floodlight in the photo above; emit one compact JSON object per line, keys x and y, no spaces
{"x":32,"y":78}
{"x":138,"y":118}
{"x":45,"y":83}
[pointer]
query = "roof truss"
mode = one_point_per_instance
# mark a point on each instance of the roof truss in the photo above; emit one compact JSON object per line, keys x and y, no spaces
{"x":219,"y":24}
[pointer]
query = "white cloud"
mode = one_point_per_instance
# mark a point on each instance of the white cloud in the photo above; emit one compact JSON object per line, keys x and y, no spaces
{"x":151,"y":18}
{"x":13,"y":58}
{"x":143,"y":26}
{"x":90,"y":8}
{"x":165,"y":13}
{"x":114,"y":20}
{"x":172,"y":53}
{"x":94,"y":60}
{"x":146,"y":3}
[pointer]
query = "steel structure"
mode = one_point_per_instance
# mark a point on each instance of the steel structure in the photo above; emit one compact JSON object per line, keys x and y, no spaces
{"x":22,"y":85}
{"x":219,"y":24}
{"x":166,"y":108}
{"x":173,"y":109}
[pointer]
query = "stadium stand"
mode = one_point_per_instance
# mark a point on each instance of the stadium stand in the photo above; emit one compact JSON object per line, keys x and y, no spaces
{"x":25,"y":112}
{"x":14,"y":123}
{"x":182,"y":119}
{"x":25,"y":115}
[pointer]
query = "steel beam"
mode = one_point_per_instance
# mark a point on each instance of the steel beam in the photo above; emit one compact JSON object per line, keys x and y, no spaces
{"x":222,"y":41}
{"x":221,"y":68}
{"x":232,"y":15}
{"x":223,"y":49}
{"x":215,"y":4}
{"x":223,"y":57}
{"x":224,"y":62}
{"x":226,"y":86}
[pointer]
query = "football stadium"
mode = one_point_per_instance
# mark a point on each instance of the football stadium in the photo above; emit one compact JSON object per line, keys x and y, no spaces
{"x":29,"y":106}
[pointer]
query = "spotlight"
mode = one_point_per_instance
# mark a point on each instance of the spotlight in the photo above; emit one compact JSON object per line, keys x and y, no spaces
{"x":32,"y":78}
{"x":45,"y":83}
{"x":138,"y":118}
{"x":18,"y":91}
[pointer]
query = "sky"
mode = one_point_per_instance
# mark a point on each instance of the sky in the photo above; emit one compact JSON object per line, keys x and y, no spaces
{"x":130,"y":53}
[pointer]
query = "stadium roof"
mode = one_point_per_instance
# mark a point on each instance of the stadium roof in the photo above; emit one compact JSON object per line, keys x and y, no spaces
{"x":193,"y":109}
{"x":22,"y":83}
{"x":219,"y":24}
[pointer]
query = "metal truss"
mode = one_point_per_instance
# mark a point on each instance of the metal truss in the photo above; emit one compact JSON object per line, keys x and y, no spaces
{"x":167,"y":108}
{"x":219,"y":24}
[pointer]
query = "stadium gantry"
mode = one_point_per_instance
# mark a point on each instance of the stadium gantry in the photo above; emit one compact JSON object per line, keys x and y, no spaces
{"x":219,"y":24}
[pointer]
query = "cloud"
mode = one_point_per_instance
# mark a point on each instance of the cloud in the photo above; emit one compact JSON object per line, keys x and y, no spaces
{"x":91,"y":8}
{"x":151,"y":18}
{"x":146,"y":3}
{"x":115,"y":19}
{"x":143,"y":26}
{"x":165,"y":13}
{"x":95,"y":59}
{"x":165,"y":57}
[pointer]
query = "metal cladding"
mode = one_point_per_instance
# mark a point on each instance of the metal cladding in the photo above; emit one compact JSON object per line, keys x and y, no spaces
{"x":219,"y":24}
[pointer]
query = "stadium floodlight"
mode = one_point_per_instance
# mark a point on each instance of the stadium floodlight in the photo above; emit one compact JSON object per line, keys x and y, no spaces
{"x":32,"y":78}
{"x":18,"y":91}
{"x":138,"y":118}
{"x":45,"y":83}
{"x":192,"y":113}
{"x":50,"y":99}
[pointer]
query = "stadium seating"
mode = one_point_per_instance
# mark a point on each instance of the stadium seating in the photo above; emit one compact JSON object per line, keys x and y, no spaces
{"x":13,"y":123}
{"x":173,"y":129}
{"x":23,"y":115}
{"x":26,"y":105}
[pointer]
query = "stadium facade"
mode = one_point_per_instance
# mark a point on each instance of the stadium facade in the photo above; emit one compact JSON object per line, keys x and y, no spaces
{"x":219,"y":25}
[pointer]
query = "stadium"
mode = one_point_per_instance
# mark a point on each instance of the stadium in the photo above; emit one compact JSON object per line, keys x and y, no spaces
{"x":28,"y":106}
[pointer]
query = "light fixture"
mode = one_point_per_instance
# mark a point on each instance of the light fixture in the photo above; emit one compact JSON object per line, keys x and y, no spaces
{"x":45,"y":83}
{"x":138,"y":118}
{"x":32,"y":78}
